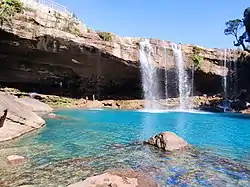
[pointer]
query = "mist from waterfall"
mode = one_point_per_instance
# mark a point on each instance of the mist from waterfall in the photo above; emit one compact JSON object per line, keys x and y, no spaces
{"x":184,"y":86}
{"x":149,"y":76}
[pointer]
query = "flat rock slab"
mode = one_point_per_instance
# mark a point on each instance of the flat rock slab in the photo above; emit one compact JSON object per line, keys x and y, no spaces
{"x":34,"y":105}
{"x":117,"y":178}
{"x":12,"y":130}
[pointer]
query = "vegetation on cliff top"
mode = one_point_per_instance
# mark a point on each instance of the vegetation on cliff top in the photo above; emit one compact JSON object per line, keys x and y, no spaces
{"x":240,"y":29}
{"x":106,"y":36}
{"x":197,"y":58}
{"x":9,"y":8}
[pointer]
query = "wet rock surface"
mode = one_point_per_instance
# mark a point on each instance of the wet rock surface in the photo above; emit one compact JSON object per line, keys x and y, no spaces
{"x":117,"y":178}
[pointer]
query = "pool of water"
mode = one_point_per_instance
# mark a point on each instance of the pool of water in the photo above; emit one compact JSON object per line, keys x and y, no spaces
{"x":90,"y":141}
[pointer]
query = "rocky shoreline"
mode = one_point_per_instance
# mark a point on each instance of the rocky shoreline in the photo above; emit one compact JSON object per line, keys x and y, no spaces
{"x":20,"y":116}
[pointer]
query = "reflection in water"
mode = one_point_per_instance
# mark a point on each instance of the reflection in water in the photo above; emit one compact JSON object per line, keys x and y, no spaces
{"x":148,"y":126}
{"x":180,"y":125}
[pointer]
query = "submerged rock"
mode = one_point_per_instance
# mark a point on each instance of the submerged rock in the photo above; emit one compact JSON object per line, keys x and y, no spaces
{"x":15,"y":159}
{"x":167,"y":141}
{"x":117,"y":178}
{"x":54,"y":116}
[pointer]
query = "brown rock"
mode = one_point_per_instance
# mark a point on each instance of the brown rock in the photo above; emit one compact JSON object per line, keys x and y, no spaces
{"x":117,"y":178}
{"x":80,"y":55}
{"x":34,"y":105}
{"x":107,"y":180}
{"x":143,"y":179}
{"x":15,"y":159}
{"x":167,"y":141}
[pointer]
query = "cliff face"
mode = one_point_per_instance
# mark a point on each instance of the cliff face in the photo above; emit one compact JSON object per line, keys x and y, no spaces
{"x":52,"y":52}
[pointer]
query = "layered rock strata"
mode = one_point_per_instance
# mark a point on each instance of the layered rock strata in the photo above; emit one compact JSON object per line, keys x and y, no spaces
{"x":49,"y":51}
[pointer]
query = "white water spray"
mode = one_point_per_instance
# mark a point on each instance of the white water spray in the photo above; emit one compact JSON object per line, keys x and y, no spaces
{"x":166,"y":73}
{"x":184,"y":87}
{"x":192,"y":81}
{"x":149,"y":76}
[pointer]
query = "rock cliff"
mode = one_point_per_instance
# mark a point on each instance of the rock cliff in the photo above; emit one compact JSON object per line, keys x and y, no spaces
{"x":50,"y":51}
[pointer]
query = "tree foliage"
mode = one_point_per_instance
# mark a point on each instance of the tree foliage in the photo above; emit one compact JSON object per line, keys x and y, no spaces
{"x":197,"y":58}
{"x":246,"y":20}
{"x":240,"y":29}
{"x":8,"y":8}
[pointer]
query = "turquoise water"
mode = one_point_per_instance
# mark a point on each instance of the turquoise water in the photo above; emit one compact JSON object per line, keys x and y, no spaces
{"x":91,"y":141}
{"x":225,"y":134}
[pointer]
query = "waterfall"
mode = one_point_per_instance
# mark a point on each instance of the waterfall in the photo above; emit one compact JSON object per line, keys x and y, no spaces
{"x":192,"y":81}
{"x":225,"y":73}
{"x":184,"y":87}
{"x":235,"y":77}
{"x":166,"y":73}
{"x":149,"y":76}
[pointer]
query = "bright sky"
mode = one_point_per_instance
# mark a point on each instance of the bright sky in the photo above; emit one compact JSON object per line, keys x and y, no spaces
{"x":199,"y":22}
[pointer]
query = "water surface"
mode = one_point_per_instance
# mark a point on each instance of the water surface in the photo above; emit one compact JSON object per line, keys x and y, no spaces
{"x":91,"y":141}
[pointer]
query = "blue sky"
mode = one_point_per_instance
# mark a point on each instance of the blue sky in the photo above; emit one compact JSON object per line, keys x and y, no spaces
{"x":199,"y":22}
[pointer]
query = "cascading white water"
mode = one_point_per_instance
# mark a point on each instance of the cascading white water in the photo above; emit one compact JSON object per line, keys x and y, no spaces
{"x":235,"y":77}
{"x":192,"y":81}
{"x":166,"y":73}
{"x":149,"y":76}
{"x":225,"y":73}
{"x":184,"y":87}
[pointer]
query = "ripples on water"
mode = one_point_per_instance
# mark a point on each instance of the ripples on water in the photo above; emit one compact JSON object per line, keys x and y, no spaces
{"x":92,"y":141}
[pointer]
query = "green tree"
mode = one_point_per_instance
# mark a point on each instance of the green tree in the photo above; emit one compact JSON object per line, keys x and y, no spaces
{"x":240,"y":29}
{"x":8,"y":8}
{"x":246,"y":20}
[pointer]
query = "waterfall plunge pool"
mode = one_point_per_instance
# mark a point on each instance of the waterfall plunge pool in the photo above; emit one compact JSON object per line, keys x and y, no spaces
{"x":91,"y":141}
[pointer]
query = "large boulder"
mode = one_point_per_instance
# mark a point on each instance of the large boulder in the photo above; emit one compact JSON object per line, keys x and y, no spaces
{"x":167,"y":141}
{"x":35,"y":105}
{"x":20,"y":119}
{"x":117,"y":178}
